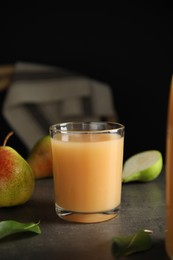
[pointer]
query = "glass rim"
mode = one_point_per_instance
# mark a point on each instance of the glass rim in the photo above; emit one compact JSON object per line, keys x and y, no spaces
{"x":62,"y":127}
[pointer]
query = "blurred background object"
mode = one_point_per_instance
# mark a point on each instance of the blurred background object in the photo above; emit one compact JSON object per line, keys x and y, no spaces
{"x":128,"y":47}
{"x":39,"y":96}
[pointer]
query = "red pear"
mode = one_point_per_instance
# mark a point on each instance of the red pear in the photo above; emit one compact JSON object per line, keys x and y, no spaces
{"x":16,"y":177}
{"x":40,"y":158}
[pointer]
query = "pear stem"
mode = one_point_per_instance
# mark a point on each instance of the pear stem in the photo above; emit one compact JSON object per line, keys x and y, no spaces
{"x":7,"y":137}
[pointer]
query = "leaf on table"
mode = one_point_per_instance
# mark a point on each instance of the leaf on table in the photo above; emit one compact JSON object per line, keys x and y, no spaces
{"x":9,"y":227}
{"x":137,"y":242}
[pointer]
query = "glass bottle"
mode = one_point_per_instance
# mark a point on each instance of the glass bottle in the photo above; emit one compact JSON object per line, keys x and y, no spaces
{"x":169,"y":177}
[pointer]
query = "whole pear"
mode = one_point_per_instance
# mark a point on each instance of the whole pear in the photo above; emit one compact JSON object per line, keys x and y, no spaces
{"x":16,"y":177}
{"x":40,"y":158}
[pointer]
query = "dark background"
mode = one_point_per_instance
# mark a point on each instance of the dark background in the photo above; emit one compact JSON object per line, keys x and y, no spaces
{"x":128,"y":45}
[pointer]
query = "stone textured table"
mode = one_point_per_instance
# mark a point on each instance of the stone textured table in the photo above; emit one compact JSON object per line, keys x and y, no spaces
{"x":143,"y":207}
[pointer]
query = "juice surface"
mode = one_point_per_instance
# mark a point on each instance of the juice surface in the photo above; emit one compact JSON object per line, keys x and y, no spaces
{"x":169,"y":178}
{"x":88,"y":171}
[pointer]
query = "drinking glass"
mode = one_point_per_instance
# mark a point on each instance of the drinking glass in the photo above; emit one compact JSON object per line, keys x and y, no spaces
{"x":87,"y":170}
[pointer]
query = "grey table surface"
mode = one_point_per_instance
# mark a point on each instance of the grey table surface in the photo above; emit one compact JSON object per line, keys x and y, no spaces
{"x":143,"y":207}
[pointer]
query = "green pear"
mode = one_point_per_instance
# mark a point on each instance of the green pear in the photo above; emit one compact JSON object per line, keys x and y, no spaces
{"x":16,"y":177}
{"x":40,"y":158}
{"x":144,"y":166}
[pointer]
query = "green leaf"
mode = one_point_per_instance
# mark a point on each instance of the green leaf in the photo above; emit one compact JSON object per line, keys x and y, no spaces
{"x":140,"y":241}
{"x":9,"y":227}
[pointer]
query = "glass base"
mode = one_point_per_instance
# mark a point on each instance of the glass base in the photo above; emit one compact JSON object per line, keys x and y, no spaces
{"x":82,"y":217}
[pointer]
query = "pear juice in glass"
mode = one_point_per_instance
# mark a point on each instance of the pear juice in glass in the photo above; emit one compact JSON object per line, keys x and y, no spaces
{"x":87,"y":170}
